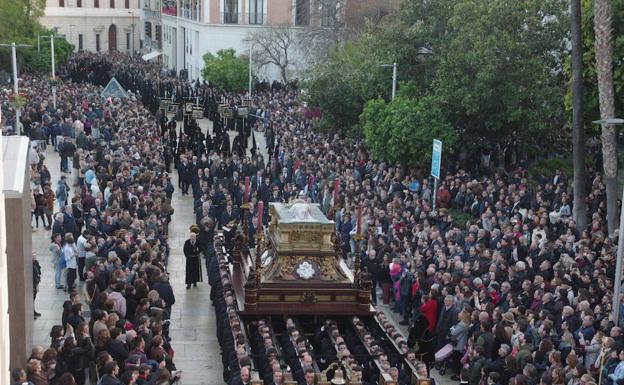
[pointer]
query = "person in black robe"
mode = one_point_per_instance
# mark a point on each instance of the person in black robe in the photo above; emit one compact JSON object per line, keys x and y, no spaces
{"x":225,"y":144}
{"x":237,"y":146}
{"x":193,"y":265}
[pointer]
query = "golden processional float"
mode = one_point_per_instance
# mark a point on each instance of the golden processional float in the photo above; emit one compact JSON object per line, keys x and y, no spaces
{"x":295,"y":276}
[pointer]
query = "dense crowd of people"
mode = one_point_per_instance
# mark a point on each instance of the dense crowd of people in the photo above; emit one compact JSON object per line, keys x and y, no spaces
{"x":108,"y":237}
{"x":512,"y":294}
{"x":517,"y":291}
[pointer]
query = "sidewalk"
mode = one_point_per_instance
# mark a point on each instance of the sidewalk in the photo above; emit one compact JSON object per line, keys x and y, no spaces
{"x":193,"y":326}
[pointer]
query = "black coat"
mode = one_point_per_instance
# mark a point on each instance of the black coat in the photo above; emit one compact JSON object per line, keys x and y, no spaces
{"x":193,"y":264}
{"x":165,"y":291}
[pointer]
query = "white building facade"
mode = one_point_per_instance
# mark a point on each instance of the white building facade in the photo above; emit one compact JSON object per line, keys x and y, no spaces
{"x":193,"y":27}
{"x":151,"y":25}
{"x":97,"y":25}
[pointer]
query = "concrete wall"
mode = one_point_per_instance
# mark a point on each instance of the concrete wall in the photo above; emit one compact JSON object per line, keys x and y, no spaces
{"x":5,"y":346}
{"x":17,"y":205}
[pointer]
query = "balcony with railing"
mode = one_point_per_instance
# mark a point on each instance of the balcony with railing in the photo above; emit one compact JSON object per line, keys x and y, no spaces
{"x":250,"y":18}
{"x":151,"y":15}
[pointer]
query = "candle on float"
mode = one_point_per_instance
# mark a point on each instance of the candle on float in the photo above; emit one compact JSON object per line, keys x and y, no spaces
{"x":246,"y":194}
{"x":260,"y":214}
{"x":358,"y":227}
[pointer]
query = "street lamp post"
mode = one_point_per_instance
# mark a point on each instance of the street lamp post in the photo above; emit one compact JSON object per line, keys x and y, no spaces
{"x":617,"y":279}
{"x":51,"y":37}
{"x":15,"y":85}
{"x":394,"y":76}
{"x":250,"y":53}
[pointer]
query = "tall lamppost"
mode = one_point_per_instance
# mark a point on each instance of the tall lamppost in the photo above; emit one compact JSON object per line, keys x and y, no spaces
{"x":617,"y":279}
{"x":250,"y":55}
{"x":51,"y":37}
{"x":394,"y":76}
{"x":15,"y":85}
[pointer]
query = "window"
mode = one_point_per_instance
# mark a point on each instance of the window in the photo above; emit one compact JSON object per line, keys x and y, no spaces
{"x":256,"y":9}
{"x":61,"y":3}
{"x":302,"y":12}
{"x":80,"y":42}
{"x":148,"y":30}
{"x":230,"y":16}
{"x":127,"y":4}
{"x":112,"y":3}
{"x":329,"y":12}
{"x":158,"y":32}
{"x":79,"y":3}
{"x":97,"y":42}
{"x":128,"y":41}
{"x":96,"y":3}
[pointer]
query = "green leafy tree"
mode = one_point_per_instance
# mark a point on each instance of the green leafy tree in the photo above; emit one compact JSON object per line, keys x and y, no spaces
{"x":351,"y":77}
{"x":226,"y":70}
{"x":402,"y":130}
{"x":496,"y":67}
{"x":500,"y":72}
{"x":590,"y":85}
{"x":41,"y":60}
{"x":20,"y":19}
{"x":23,"y":29}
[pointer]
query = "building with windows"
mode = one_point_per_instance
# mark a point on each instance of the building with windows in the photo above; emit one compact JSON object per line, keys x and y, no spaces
{"x":96,"y":25}
{"x":151,"y":25}
{"x":194,"y":27}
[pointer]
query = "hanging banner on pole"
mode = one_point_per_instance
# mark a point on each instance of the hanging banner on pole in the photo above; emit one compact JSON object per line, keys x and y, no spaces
{"x":436,"y":159}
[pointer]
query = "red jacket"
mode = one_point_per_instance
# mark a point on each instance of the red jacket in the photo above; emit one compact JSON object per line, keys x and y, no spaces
{"x":429,"y":310}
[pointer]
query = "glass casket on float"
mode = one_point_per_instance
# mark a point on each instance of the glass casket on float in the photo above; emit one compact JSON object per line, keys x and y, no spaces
{"x":298,"y":269}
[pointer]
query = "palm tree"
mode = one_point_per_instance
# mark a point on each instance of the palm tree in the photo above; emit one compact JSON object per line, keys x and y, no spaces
{"x":578,"y":130}
{"x":604,"y":67}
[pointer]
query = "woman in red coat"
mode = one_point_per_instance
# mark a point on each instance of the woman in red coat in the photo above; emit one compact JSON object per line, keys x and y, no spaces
{"x":423,"y":329}
{"x":429,"y":310}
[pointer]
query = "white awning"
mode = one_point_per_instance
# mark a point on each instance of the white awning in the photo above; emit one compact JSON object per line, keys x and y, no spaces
{"x":151,"y":55}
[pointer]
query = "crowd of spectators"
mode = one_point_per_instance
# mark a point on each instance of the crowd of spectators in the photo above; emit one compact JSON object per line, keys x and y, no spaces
{"x":494,"y":285}
{"x":499,"y":271}
{"x":107,"y":217}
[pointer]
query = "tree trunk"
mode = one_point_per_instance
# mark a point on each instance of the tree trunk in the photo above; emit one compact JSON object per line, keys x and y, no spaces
{"x":283,"y":73}
{"x":604,"y":67}
{"x":579,"y":206}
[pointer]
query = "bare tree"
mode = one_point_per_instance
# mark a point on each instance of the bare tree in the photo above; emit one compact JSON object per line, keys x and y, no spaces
{"x":324,"y":28}
{"x":331,"y":22}
{"x":273,"y":45}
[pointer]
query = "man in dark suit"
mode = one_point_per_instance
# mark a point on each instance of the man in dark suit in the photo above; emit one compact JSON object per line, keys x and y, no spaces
{"x":228,"y":215}
{"x":185,"y":174}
